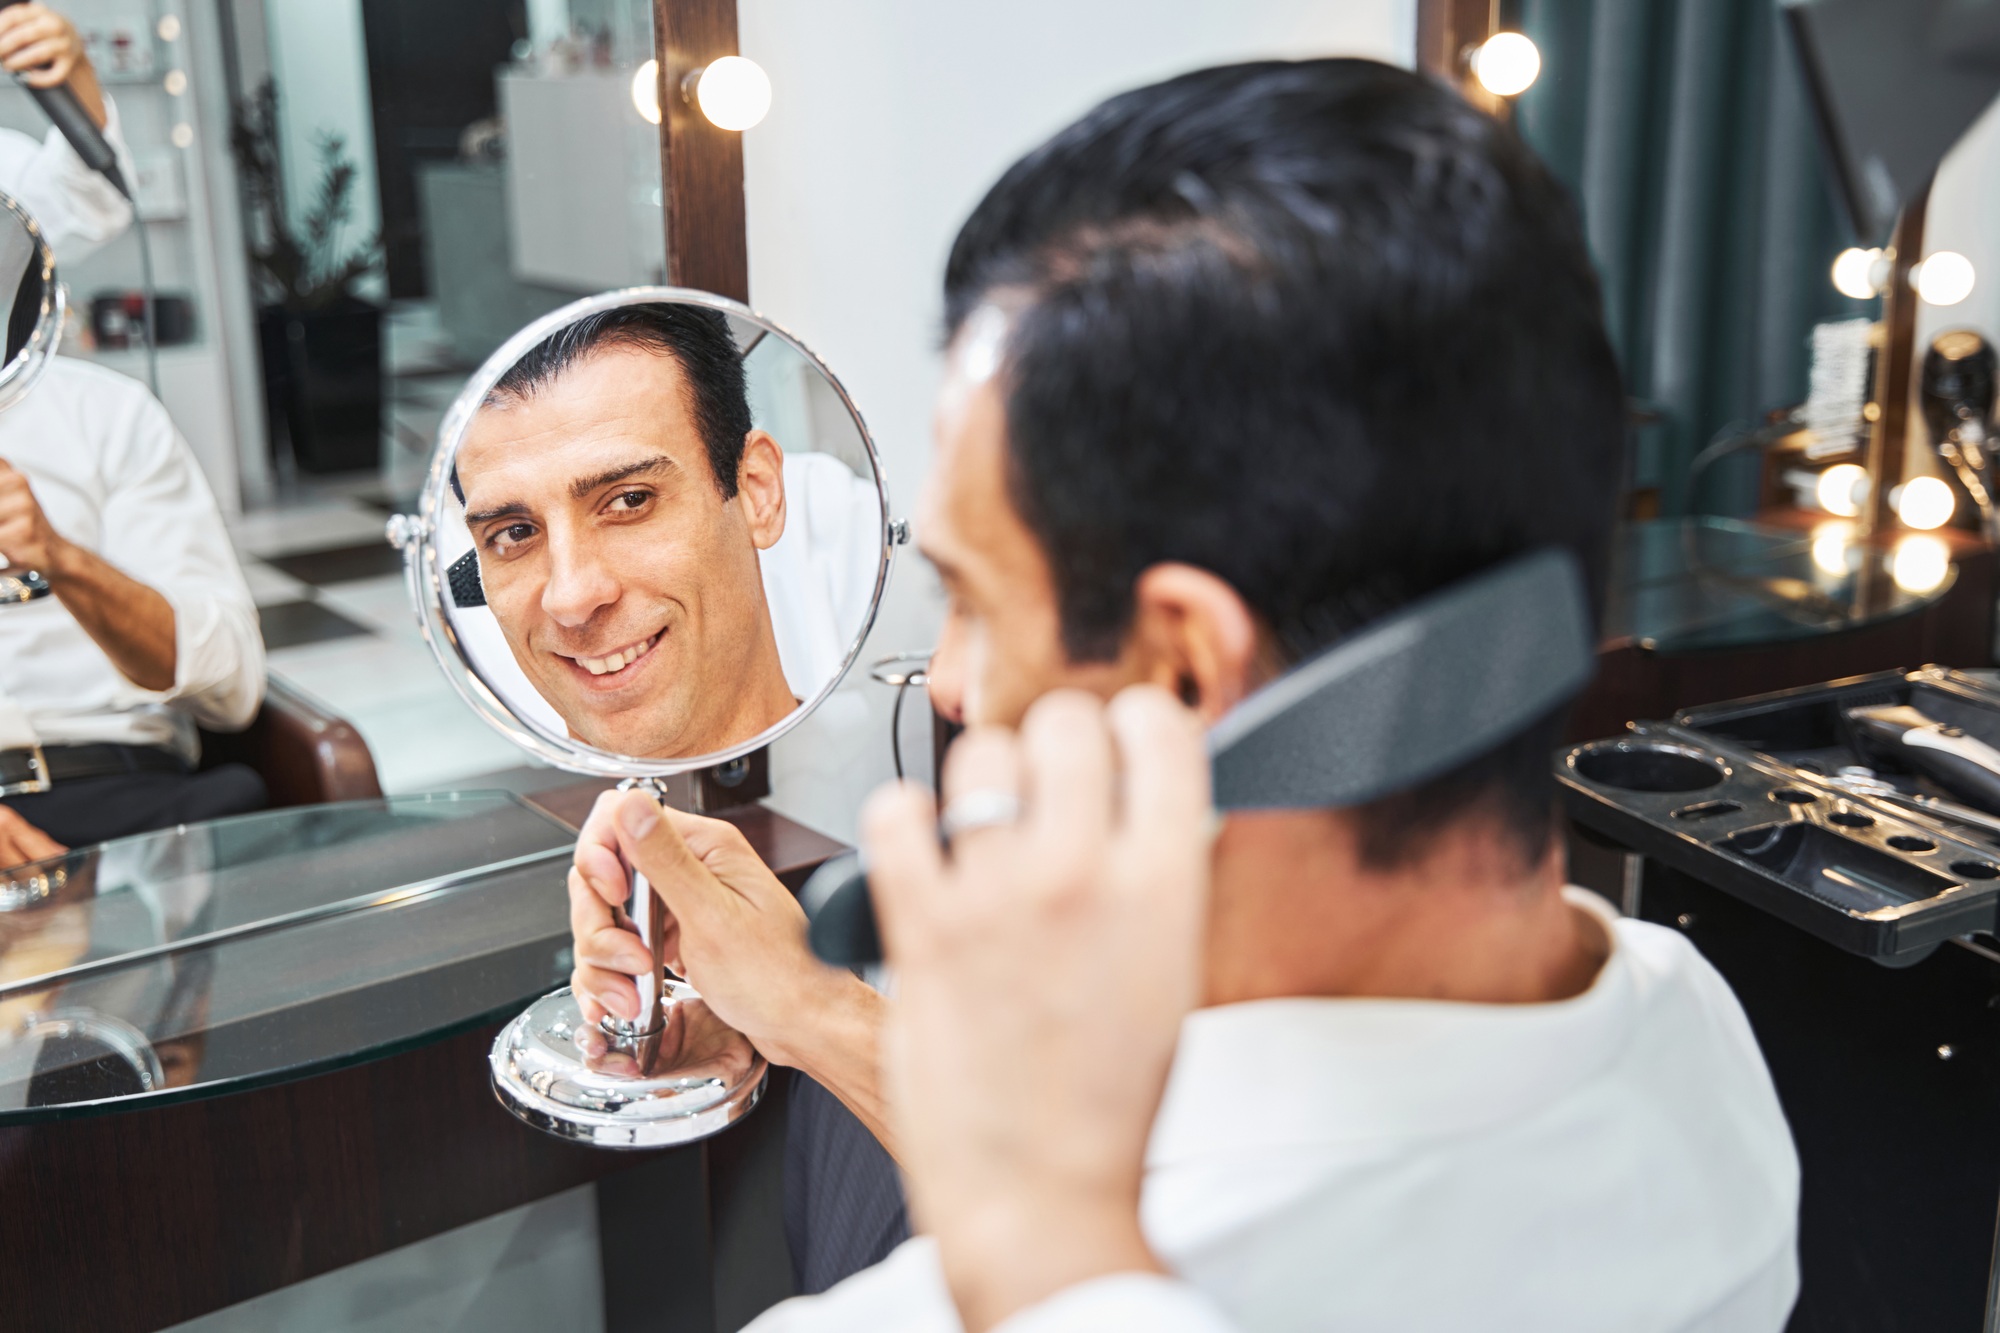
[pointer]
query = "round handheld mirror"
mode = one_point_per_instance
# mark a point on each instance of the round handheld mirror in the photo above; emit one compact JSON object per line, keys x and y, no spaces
{"x":652,"y":540}
{"x":34,"y":325}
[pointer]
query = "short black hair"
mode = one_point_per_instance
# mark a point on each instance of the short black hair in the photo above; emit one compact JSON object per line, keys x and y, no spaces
{"x":1318,"y":327}
{"x":699,"y":341}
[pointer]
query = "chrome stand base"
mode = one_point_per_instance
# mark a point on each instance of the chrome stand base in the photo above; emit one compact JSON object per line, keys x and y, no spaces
{"x":689,"y":1079}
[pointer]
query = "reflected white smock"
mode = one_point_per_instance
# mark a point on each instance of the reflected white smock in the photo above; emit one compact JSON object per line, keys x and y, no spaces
{"x":77,"y":209}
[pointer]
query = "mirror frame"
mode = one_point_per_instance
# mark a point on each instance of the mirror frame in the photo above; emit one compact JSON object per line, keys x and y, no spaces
{"x":424,"y":573}
{"x":18,"y":377}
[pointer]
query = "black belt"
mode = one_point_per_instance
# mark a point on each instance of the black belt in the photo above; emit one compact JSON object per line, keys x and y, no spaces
{"x":36,"y":768}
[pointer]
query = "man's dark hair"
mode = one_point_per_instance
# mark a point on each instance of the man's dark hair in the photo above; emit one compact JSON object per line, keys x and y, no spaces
{"x":698,"y":340}
{"x":1322,"y":329}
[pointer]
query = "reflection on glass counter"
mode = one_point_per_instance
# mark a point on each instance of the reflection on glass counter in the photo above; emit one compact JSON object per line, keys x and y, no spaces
{"x":221,"y":955}
{"x":1684,"y":585}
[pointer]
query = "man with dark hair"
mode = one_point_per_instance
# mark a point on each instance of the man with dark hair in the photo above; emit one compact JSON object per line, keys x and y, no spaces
{"x":1239,"y":364}
{"x":617,"y":497}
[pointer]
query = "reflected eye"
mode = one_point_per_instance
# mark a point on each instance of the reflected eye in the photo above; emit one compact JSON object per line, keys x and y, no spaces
{"x":627,"y":501}
{"x":508,"y":540}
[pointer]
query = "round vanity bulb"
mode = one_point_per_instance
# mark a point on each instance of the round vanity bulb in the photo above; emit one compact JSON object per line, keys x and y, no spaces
{"x":1945,"y":278}
{"x":646,"y":91}
{"x":1841,"y":489}
{"x":1854,"y":273}
{"x":734,"y":93}
{"x":1925,"y":502}
{"x":1833,"y":549}
{"x":1506,"y":64}
{"x":1919,"y":564}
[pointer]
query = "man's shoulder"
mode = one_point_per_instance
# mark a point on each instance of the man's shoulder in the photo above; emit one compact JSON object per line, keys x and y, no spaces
{"x":95,"y":381}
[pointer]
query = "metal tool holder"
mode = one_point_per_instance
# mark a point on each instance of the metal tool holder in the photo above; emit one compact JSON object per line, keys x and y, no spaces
{"x":1775,"y":800}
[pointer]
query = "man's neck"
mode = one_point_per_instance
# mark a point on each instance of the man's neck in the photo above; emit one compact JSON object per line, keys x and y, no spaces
{"x":1296,"y":913}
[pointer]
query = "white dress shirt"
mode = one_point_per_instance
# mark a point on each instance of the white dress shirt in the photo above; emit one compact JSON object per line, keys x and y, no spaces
{"x":77,"y":208}
{"x":113,"y":475}
{"x":1616,"y":1161}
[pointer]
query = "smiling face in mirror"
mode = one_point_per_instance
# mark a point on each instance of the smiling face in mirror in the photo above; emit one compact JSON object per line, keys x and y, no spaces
{"x":656,"y":584}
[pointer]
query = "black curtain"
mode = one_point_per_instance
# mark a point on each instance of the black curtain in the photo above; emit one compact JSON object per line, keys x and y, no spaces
{"x":1682,"y":127}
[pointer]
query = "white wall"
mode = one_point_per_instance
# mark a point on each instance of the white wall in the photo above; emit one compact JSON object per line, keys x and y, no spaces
{"x":889,"y":120}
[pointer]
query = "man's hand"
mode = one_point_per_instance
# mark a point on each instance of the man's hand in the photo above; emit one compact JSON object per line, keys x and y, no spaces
{"x":45,"y":49}
{"x":1043,"y":969}
{"x":26,"y":539}
{"x":736,"y":933}
{"x":21,"y":842}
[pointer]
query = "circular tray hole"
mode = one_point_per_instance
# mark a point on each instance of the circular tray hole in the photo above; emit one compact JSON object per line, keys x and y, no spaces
{"x":1637,"y":766}
{"x":1850,"y":819}
{"x":1793,"y":796}
{"x":1908,"y":842}
{"x":1975,"y":870}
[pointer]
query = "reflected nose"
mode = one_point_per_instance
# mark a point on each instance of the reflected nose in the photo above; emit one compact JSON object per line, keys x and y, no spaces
{"x":580,"y":585}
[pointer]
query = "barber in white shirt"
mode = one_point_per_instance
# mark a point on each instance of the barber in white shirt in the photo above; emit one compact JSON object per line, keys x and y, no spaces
{"x":150,"y":633}
{"x":1241,"y":363}
{"x":77,"y":209}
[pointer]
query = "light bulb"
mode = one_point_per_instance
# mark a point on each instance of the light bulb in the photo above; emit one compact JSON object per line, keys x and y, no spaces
{"x":1945,"y":278}
{"x":1854,"y":273}
{"x":1506,"y":64}
{"x":1925,"y":502}
{"x":175,"y":83}
{"x":1833,"y":548}
{"x":646,"y":91}
{"x":1842,"y":488}
{"x":1919,"y":563}
{"x":182,"y":135}
{"x":734,"y":93}
{"x":169,"y":28}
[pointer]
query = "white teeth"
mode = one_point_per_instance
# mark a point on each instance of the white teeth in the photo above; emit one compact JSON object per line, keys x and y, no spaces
{"x":618,"y":661}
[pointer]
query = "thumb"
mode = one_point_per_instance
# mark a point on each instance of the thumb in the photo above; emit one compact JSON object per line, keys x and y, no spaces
{"x":658,"y":851}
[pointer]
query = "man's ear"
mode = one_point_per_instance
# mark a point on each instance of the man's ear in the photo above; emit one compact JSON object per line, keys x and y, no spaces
{"x":1196,"y":637}
{"x":760,"y":488}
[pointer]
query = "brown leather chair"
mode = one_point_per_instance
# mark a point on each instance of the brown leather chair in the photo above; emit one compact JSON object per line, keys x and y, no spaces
{"x":305,"y":754}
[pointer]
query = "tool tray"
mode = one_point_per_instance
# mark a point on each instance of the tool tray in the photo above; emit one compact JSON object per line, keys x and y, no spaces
{"x":1744,"y":796}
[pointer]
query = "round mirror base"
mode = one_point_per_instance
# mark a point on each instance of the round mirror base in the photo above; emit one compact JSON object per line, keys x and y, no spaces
{"x":693,"y":1078}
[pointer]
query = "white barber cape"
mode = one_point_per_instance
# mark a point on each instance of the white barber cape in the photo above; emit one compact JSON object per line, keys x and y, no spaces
{"x":113,"y":475}
{"x":76,"y":208}
{"x":1617,"y":1161}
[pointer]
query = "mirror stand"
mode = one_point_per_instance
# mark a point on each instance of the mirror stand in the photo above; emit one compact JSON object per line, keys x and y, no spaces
{"x":674,"y":1074}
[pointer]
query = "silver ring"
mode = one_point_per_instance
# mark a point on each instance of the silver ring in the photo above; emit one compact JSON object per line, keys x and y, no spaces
{"x":983,"y":807}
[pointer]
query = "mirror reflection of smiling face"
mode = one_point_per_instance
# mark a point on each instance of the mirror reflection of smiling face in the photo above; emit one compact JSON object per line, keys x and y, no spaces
{"x":621,"y":569}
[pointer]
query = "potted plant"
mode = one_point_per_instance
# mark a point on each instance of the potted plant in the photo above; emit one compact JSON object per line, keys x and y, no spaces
{"x":321,"y":343}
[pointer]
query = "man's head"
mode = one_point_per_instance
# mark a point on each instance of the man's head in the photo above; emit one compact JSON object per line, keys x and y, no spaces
{"x":617,"y":496}
{"x":1255,"y":356}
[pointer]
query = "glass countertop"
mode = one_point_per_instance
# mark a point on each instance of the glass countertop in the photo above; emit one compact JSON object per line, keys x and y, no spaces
{"x":218,"y":956}
{"x":1688,"y":585}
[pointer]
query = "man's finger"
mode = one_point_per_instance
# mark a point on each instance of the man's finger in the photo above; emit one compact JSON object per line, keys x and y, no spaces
{"x":982,"y":776}
{"x":656,"y":849}
{"x":905,"y":866}
{"x":37,"y":54}
{"x":605,"y":991}
{"x":1164,"y":778}
{"x":614,"y":950}
{"x":1066,"y":753}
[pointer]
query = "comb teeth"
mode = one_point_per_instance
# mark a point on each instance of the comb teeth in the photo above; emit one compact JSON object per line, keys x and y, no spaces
{"x":463,"y":576}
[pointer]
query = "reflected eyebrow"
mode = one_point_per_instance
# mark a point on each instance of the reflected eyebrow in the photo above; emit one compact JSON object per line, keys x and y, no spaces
{"x":514,"y":510}
{"x":583,"y":486}
{"x":580,"y":488}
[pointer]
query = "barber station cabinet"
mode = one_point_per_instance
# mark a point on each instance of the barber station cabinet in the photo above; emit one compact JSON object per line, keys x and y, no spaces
{"x":236,"y":1055}
{"x":1833,"y":850}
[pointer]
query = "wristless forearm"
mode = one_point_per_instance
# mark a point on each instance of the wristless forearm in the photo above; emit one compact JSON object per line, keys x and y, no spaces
{"x":838,"y":1045}
{"x":131,"y":622}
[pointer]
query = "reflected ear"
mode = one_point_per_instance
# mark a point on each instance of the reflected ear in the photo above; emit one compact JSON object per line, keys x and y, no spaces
{"x":760,"y":488}
{"x":1196,"y":637}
